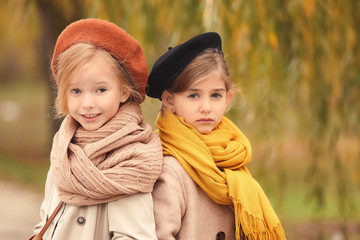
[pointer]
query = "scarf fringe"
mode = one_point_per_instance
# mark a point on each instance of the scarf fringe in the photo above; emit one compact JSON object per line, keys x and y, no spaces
{"x":253,"y":228}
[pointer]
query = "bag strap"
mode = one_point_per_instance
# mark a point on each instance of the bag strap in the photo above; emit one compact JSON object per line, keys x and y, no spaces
{"x":48,"y":222}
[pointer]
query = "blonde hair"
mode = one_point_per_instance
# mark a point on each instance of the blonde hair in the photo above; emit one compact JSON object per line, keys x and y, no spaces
{"x":77,"y":55}
{"x":209,"y":60}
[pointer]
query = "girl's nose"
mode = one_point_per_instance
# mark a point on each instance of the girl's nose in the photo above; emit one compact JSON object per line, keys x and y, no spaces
{"x":88,"y":101}
{"x":205,"y":106}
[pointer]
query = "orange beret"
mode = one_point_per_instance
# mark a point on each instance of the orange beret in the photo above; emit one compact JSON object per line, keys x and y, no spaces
{"x":110,"y":37}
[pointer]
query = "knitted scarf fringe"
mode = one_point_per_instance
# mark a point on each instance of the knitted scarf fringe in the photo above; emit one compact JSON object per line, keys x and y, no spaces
{"x":253,"y":228}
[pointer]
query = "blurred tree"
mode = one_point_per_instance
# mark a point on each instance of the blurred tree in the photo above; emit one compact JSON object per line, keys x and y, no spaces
{"x":54,"y":16}
{"x":15,"y":37}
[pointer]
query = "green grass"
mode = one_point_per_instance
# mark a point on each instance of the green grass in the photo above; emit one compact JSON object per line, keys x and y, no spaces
{"x":31,"y":174}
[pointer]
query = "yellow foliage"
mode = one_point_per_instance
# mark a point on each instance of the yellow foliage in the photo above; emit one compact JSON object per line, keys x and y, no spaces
{"x":309,"y":7}
{"x":273,"y":40}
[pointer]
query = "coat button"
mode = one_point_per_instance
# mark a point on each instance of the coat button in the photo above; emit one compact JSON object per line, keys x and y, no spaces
{"x":220,"y":236}
{"x":81,"y":220}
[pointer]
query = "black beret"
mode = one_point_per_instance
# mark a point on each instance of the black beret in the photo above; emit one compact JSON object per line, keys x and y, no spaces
{"x":171,"y":63}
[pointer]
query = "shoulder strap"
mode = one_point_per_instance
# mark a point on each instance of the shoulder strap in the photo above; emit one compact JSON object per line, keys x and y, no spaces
{"x":48,"y":222}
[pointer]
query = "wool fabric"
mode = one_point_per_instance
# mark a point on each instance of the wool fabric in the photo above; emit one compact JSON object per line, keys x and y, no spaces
{"x":110,"y":37}
{"x":122,"y":157}
{"x":217,"y":163}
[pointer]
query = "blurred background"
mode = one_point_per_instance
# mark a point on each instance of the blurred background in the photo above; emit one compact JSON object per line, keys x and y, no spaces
{"x":295,"y":62}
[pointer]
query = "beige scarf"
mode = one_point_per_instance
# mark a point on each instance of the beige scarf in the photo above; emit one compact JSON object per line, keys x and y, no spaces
{"x":122,"y":157}
{"x":217,"y":163}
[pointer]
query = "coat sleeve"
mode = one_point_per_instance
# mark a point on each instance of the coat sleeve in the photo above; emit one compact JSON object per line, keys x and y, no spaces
{"x":132,"y":217}
{"x":45,"y":203}
{"x":169,"y":203}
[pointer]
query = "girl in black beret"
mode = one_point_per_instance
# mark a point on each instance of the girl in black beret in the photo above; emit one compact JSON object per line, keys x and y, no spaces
{"x":205,"y":190}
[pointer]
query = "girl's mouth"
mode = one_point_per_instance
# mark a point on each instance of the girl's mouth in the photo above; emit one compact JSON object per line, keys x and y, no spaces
{"x":90,"y":117}
{"x":205,"y":120}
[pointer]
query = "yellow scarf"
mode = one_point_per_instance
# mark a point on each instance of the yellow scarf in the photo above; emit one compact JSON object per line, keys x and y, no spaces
{"x":216,"y":162}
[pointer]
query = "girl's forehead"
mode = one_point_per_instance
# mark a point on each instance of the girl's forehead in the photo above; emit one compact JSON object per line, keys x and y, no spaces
{"x":209,"y":83}
{"x":209,"y":79}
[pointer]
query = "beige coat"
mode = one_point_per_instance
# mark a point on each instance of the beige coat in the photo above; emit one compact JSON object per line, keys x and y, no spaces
{"x":183,"y":211}
{"x":128,"y":218}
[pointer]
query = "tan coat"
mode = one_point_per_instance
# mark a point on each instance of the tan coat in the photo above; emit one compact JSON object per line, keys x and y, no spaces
{"x":128,"y":218}
{"x":183,"y":211}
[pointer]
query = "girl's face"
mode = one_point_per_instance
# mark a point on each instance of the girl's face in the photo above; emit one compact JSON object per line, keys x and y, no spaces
{"x":202,"y":105}
{"x":94,"y":93}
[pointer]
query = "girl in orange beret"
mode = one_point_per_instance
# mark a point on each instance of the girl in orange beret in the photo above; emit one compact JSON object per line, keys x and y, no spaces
{"x":205,"y":190}
{"x":104,"y":158}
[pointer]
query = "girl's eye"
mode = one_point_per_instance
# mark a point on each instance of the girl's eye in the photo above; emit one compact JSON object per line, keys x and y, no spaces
{"x":76,"y":91}
{"x":101,"y":90}
{"x":216,"y":95}
{"x":193,"y":95}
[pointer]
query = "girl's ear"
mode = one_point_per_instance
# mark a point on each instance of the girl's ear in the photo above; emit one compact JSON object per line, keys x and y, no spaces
{"x":229,"y":96}
{"x":125,"y":94}
{"x":167,"y":100}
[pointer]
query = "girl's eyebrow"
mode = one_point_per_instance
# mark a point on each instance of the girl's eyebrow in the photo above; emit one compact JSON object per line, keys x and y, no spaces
{"x":102,"y":82}
{"x":220,"y":89}
{"x":71,"y":85}
{"x":215,"y":89}
{"x":193,"y":89}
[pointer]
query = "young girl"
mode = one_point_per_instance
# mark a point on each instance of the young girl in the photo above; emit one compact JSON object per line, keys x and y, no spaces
{"x":205,"y":190}
{"x":104,"y":159}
